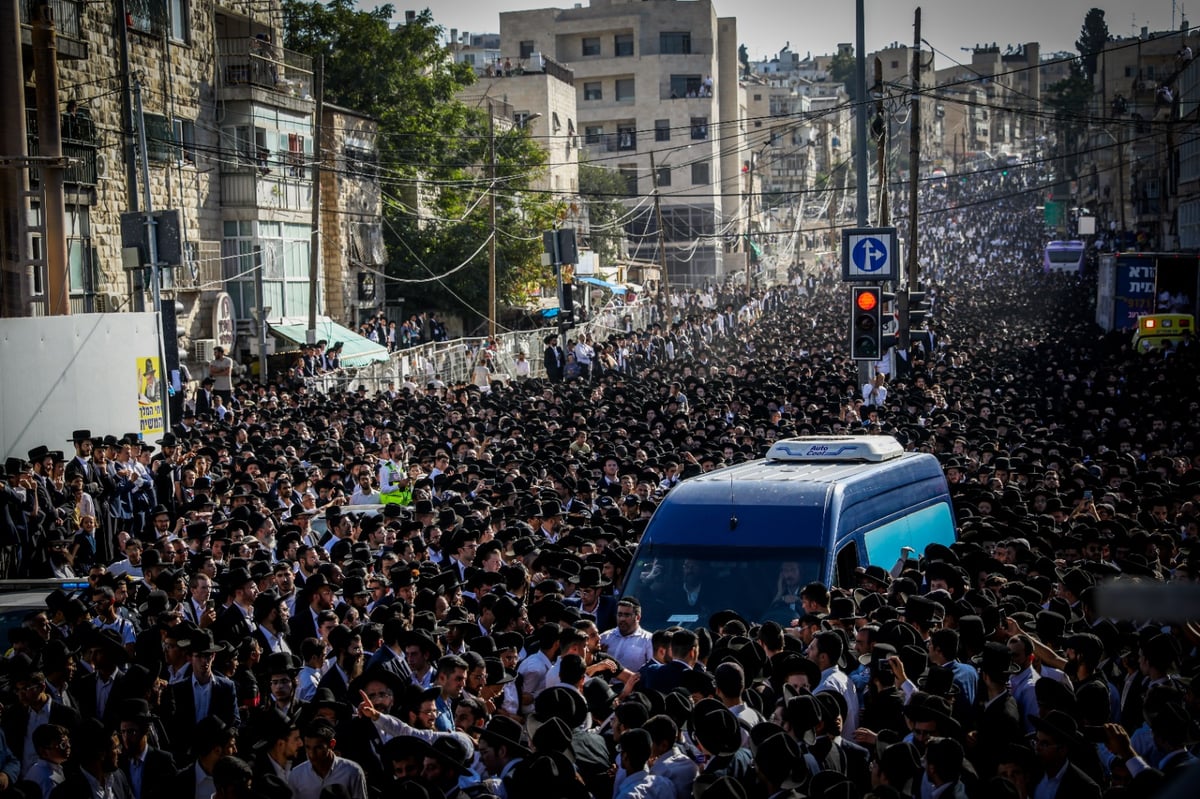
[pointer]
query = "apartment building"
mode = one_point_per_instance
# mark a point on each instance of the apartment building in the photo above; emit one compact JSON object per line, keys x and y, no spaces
{"x":541,"y":99}
{"x":1128,"y":175}
{"x":228,"y":117}
{"x":657,"y":86}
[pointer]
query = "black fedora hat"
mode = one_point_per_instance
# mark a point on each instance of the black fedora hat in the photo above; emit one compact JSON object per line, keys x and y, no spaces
{"x":716,"y":728}
{"x":1060,"y":725}
{"x":200,"y":642}
{"x":503,"y":731}
{"x":80,"y":435}
{"x":589,"y":577}
{"x":451,"y":751}
{"x":995,"y":659}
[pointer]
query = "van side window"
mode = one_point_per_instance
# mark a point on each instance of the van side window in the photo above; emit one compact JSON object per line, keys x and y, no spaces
{"x":847,"y":562}
{"x":933,"y":524}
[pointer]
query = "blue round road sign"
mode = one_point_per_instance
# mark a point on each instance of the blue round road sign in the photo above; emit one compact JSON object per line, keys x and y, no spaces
{"x":870,"y":255}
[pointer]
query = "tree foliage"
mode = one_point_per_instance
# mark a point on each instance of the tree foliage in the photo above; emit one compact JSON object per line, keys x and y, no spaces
{"x":1092,"y":38}
{"x":598,"y":186}
{"x":842,"y":70}
{"x":1071,"y":98}
{"x":433,"y":153}
{"x":744,"y":60}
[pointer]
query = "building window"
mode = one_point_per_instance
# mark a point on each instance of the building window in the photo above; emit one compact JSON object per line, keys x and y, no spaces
{"x":160,"y":142}
{"x":625,"y":92}
{"x":626,"y":137}
{"x":591,"y":45}
{"x":630,"y":173}
{"x":758,"y":97}
{"x":699,"y":127}
{"x":526,"y":50}
{"x":147,"y":16}
{"x":184,"y":133}
{"x":700,"y":173}
{"x":593,"y":134}
{"x":177,"y":11}
{"x":623,"y":44}
{"x":675,"y":42}
{"x":283,"y":249}
{"x":664,"y":176}
{"x":662,"y":130}
{"x":592,"y":91}
{"x":895,"y":65}
{"x":686,"y":85}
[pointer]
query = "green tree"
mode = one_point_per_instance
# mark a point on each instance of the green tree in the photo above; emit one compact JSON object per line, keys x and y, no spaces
{"x":599,"y":188}
{"x":744,"y":60}
{"x":433,"y":155}
{"x":1092,"y":38}
{"x":842,"y":70}
{"x":1070,"y":99}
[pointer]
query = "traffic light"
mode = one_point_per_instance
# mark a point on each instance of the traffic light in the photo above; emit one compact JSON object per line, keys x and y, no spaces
{"x":918,"y":309}
{"x":866,"y":323}
{"x":566,"y":310}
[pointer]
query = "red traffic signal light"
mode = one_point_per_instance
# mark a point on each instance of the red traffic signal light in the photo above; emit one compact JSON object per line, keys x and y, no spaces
{"x":866,"y":323}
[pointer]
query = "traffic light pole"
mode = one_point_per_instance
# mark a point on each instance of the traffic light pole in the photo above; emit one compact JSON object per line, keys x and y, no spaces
{"x":152,"y":253}
{"x":903,"y":331}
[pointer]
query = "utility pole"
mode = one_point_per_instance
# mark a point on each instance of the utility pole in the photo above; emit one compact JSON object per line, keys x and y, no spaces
{"x":14,"y":179}
{"x":45,"y":67}
{"x":662,"y":238}
{"x":314,"y":247}
{"x":881,"y":147}
{"x":260,"y":298}
{"x":860,"y":112}
{"x":152,"y":252}
{"x":914,"y":163}
{"x":492,"y":226}
{"x":750,"y":220}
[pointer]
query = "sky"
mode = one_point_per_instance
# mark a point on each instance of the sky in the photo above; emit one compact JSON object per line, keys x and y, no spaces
{"x":817,"y":26}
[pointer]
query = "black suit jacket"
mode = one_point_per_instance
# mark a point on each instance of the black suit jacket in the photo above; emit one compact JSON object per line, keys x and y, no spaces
{"x":178,"y":708}
{"x":301,"y":626}
{"x":75,"y":785}
{"x":158,"y":772}
{"x":233,"y":626}
{"x":335,"y":682}
{"x":1076,"y":784}
{"x":84,"y":691}
{"x":16,"y":719}
{"x":996,"y":727}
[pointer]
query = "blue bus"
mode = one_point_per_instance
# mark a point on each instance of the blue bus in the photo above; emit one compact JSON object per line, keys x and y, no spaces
{"x":1064,"y":256}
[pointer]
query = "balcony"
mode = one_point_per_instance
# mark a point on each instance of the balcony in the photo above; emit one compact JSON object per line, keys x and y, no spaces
{"x":534,"y":64}
{"x":246,"y":64}
{"x":611,"y":143}
{"x":254,"y":187}
{"x":68,"y":24}
{"x":78,"y":146}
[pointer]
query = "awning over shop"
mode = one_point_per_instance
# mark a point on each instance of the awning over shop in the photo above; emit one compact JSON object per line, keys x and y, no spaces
{"x":356,"y":350}
{"x":615,"y":288}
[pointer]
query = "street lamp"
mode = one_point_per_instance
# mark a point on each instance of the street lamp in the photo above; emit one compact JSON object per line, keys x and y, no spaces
{"x":754,"y":159}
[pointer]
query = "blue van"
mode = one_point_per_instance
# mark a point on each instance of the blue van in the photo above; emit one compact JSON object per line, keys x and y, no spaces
{"x":748,"y":537}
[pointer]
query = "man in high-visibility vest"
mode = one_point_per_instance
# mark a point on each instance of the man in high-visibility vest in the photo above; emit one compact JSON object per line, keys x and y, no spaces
{"x":393,"y":481}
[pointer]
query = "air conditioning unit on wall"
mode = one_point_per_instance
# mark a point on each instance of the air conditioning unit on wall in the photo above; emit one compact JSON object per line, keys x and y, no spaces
{"x":202,"y":349}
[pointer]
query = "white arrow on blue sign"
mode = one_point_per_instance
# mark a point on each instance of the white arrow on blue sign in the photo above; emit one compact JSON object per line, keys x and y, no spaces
{"x":868,"y":254}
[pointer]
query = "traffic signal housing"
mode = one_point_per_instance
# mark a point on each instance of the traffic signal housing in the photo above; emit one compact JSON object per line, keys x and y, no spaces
{"x":866,"y":323}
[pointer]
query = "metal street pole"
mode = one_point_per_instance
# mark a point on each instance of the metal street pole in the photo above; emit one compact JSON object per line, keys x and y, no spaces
{"x":314,"y":247}
{"x":45,"y":67}
{"x":860,"y":112}
{"x":662,"y":238}
{"x":492,"y":226}
{"x":152,"y":251}
{"x":260,"y":299}
{"x":914,"y":163}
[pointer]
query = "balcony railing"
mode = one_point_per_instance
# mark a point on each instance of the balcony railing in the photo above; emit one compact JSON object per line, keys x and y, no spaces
{"x":534,"y":64}
{"x":248,"y":61}
{"x":68,"y":24}
{"x":248,"y":187}
{"x":611,"y":142}
{"x":78,"y":147}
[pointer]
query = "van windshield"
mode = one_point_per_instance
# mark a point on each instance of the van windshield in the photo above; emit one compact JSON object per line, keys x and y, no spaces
{"x":684,"y":585}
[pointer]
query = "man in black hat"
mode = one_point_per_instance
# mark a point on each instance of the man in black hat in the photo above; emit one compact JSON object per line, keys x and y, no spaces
{"x":236,"y":622}
{"x":277,"y":742}
{"x":149,"y":769}
{"x":205,"y":694}
{"x":603,"y":608}
{"x":997,"y":716}
{"x":553,"y":359}
{"x":1057,"y":741}
{"x":33,"y":707}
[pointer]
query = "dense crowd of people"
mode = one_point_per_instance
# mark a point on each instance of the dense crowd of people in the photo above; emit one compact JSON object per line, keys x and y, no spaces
{"x":248,"y":629}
